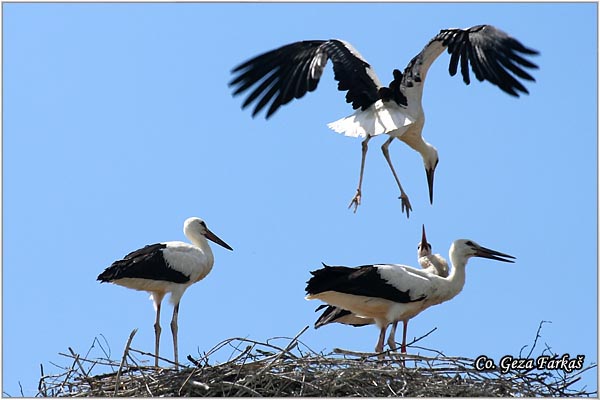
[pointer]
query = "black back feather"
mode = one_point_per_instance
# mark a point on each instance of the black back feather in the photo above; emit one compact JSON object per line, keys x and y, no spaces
{"x":145,"y":263}
{"x":361,"y":281}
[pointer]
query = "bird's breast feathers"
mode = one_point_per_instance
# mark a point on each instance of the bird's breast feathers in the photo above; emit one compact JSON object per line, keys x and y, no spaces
{"x":189,"y":260}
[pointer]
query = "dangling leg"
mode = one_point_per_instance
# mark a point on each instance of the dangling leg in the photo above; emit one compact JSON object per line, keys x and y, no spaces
{"x":157,"y":298}
{"x":174,"y":332}
{"x":356,"y":199}
{"x":405,"y":202}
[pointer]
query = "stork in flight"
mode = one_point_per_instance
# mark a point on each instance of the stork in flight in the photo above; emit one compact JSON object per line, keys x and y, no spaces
{"x":167,"y":267}
{"x":280,"y":75}
{"x":389,"y":293}
{"x":432,"y":263}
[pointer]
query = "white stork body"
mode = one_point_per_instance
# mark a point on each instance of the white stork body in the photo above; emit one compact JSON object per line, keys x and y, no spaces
{"x":168,"y":267}
{"x":278,"y":76}
{"x":388,"y":293}
{"x":432,"y":263}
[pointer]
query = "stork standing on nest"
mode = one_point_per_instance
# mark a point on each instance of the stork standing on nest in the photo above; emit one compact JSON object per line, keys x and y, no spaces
{"x":388,"y":293}
{"x":168,"y":267}
{"x":432,"y":263}
{"x":289,"y":72}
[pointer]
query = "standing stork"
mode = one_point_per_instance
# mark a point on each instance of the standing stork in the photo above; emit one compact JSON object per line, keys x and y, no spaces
{"x":388,"y":293}
{"x":429,"y":262}
{"x":167,"y":267}
{"x":290,"y":71}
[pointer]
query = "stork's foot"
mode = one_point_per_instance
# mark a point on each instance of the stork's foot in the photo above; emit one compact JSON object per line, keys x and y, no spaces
{"x":405,"y":204}
{"x":355,"y":200}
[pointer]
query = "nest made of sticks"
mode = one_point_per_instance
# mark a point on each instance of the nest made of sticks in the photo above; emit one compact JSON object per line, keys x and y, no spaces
{"x":266,"y":369}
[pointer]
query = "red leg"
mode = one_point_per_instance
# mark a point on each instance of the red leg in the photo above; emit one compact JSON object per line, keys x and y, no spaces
{"x":403,"y":348}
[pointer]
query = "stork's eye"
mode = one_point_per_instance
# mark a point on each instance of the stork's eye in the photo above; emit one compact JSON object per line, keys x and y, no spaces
{"x":469,"y":243}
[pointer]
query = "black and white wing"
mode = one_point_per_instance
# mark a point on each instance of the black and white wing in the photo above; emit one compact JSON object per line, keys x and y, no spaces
{"x":493,"y":55}
{"x":368,"y":281}
{"x":289,"y":72}
{"x":147,"y":263}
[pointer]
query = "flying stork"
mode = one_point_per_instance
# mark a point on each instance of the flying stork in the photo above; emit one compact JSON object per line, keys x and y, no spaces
{"x":280,"y":75}
{"x":432,"y":263}
{"x":167,"y":267}
{"x":388,"y":293}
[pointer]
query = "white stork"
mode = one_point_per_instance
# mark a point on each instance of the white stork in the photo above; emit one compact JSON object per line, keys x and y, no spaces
{"x":289,"y":72}
{"x":388,"y":293}
{"x":167,"y":267}
{"x":432,"y":263}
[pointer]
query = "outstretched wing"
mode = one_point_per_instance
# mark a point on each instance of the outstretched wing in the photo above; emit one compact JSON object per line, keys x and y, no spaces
{"x":289,"y":72}
{"x":493,"y":55}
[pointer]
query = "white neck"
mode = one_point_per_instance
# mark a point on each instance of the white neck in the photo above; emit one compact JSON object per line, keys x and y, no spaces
{"x":456,"y":279}
{"x":200,"y":241}
{"x":417,"y":143}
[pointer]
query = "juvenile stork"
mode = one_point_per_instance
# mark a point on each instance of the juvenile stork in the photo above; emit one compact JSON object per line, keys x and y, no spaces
{"x":290,"y":71}
{"x":432,"y":263}
{"x":167,"y":267}
{"x":388,"y":293}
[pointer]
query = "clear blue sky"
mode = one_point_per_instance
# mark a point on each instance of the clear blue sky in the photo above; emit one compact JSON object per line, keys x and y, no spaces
{"x":118,"y":124}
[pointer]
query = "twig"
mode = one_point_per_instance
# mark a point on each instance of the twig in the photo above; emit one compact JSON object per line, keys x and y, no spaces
{"x":422,"y":337}
{"x":42,"y":383}
{"x":83,"y":373}
{"x":125,"y":353}
{"x":144,"y":353}
{"x":537,"y":336}
{"x":287,"y":349}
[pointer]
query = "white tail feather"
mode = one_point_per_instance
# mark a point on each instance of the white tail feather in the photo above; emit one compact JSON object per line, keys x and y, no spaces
{"x":379,"y":118}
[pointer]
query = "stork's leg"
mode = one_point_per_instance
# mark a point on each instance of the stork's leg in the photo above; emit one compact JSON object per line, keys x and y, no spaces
{"x":174,"y":332}
{"x":157,"y":332}
{"x":379,"y":346}
{"x":405,"y":202}
{"x":356,"y":199}
{"x":392,"y":338}
{"x":403,"y":347}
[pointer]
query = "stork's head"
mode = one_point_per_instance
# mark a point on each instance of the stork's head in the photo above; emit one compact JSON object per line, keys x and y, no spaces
{"x":430,"y":159}
{"x":424,"y":248}
{"x":465,"y":249}
{"x":195,"y":227}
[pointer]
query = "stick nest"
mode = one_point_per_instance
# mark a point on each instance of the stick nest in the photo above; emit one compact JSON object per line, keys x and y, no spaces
{"x":266,"y":369}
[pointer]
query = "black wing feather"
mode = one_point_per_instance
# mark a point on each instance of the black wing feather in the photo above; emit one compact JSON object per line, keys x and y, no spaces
{"x":492,"y":54}
{"x":145,"y":263}
{"x":285,"y":74}
{"x":332,"y":314}
{"x":361,"y":281}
